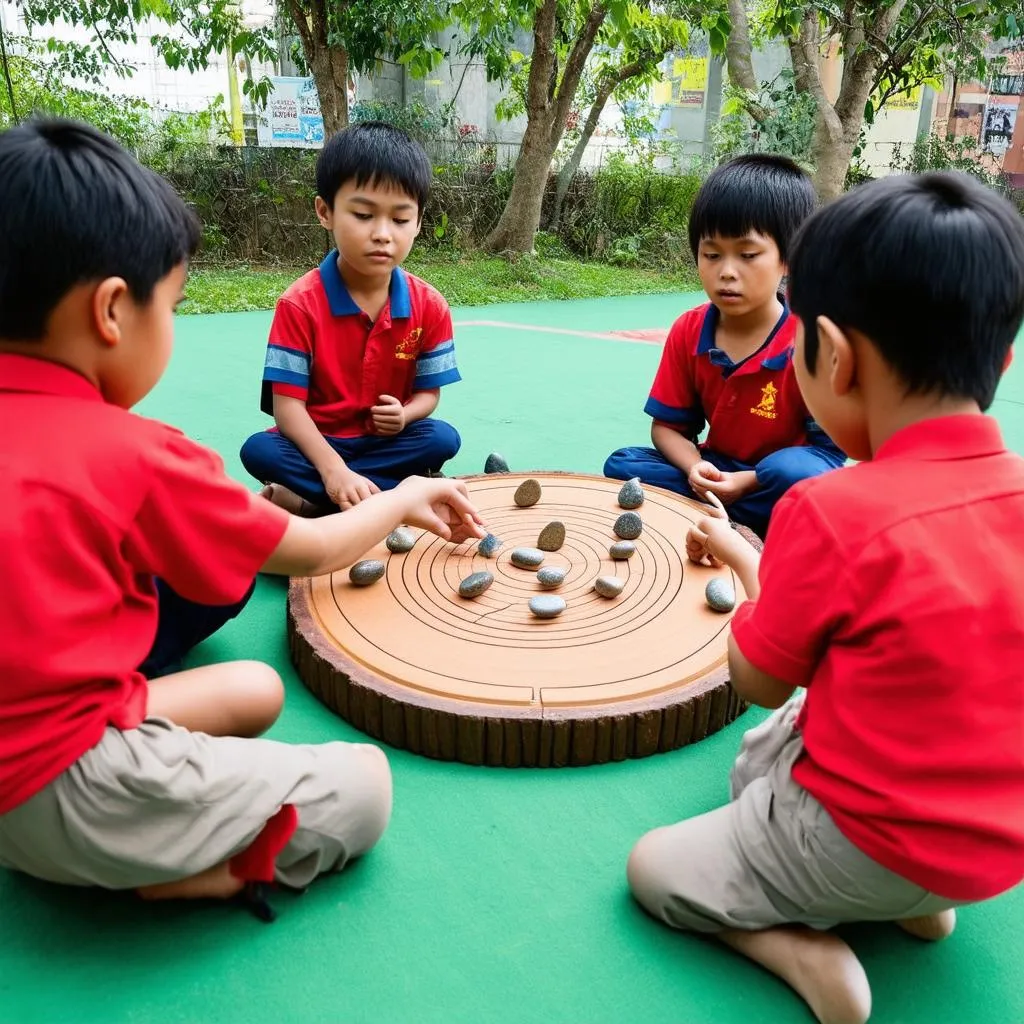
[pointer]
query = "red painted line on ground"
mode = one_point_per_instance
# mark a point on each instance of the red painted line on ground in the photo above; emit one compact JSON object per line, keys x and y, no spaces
{"x":651,"y":336}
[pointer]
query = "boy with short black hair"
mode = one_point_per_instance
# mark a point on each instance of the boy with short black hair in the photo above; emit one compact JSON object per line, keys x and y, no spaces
{"x":893,"y":789}
{"x":729,"y":362}
{"x":124,"y":545}
{"x":359,"y":349}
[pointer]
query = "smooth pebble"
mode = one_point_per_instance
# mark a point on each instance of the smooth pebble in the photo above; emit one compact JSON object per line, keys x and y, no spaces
{"x":719,"y":595}
{"x":609,"y":586}
{"x":622,"y":550}
{"x":631,"y":494}
{"x":552,"y":537}
{"x":401,"y":540}
{"x":368,"y":571}
{"x":628,"y":526}
{"x":550,"y":577}
{"x":527,"y":558}
{"x":546,"y":606}
{"x":495,"y":463}
{"x":475,"y":584}
{"x":527,"y":493}
{"x":490,"y":546}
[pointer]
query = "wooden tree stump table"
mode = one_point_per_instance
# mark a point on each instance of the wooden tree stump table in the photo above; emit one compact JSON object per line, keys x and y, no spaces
{"x":411,"y":663}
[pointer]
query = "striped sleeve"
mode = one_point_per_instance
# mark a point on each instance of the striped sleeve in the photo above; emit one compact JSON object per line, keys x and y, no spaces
{"x":673,"y":398}
{"x":289,"y":356}
{"x":436,"y":365}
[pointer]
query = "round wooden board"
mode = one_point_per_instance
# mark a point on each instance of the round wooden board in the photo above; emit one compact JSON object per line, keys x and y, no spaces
{"x":410,"y":662}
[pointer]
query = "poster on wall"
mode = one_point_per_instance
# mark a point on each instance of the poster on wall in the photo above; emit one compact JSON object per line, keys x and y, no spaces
{"x":998,"y":125}
{"x":684,"y":81}
{"x":292,"y":115}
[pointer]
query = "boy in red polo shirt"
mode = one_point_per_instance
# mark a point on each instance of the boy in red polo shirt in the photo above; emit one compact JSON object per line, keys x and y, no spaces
{"x":729,"y":363}
{"x":893,"y":789}
{"x":124,"y":544}
{"x":359,"y":348}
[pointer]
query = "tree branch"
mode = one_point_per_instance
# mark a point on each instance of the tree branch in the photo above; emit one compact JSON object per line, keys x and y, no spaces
{"x":543,"y":58}
{"x":298,"y":16}
{"x":7,"y":76}
{"x":575,"y":64}
{"x":804,"y":51}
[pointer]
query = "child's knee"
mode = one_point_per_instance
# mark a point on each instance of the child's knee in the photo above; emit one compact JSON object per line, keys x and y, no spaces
{"x":646,"y":872}
{"x":618,"y":465}
{"x":370,"y":800}
{"x":258,"y":454}
{"x":259,"y":692}
{"x":444,"y":442}
{"x":788,"y":466}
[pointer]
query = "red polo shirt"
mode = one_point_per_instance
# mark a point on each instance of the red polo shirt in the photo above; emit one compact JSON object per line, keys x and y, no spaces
{"x":98,"y":502}
{"x":327,"y":352}
{"x":892,"y":591}
{"x":752,"y":408}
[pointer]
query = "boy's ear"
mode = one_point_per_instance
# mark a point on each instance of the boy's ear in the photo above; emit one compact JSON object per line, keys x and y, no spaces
{"x":837,"y":358}
{"x":108,"y":309}
{"x":324,"y":213}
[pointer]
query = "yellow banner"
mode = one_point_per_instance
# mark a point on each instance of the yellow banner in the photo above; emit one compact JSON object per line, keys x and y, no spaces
{"x":905,"y":100}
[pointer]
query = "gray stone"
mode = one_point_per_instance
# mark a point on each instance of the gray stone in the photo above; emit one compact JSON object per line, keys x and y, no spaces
{"x":622,"y":549}
{"x":628,"y":526}
{"x":368,"y":571}
{"x":552,"y":537}
{"x":475,"y":584}
{"x":551,"y":577}
{"x":631,"y":494}
{"x":527,"y":493}
{"x":527,"y":558}
{"x":401,"y":540}
{"x":719,"y":595}
{"x":490,"y":546}
{"x":495,"y":463}
{"x":609,"y":586}
{"x":547,"y":606}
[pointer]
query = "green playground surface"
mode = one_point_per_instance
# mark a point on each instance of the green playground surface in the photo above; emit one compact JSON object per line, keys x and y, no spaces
{"x":496,"y":896}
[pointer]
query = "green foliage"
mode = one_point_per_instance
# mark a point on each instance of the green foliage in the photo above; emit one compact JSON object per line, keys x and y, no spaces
{"x":423,"y":123}
{"x":938,"y":152}
{"x":210,"y":27}
{"x":39,"y":89}
{"x":631,"y":214}
{"x":787,"y":128}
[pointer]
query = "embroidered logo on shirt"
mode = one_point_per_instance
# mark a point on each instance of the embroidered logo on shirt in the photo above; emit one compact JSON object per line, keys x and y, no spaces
{"x":766,"y":407}
{"x":409,"y":346}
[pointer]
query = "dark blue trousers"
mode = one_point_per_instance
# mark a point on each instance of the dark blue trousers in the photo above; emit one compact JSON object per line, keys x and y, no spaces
{"x":183,"y":624}
{"x":422,"y":448}
{"x":776,"y":473}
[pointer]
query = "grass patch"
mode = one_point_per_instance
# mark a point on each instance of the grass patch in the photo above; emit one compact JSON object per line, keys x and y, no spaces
{"x":464,"y":281}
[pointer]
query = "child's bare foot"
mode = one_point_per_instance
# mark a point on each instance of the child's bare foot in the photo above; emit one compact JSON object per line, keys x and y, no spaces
{"x":931,"y":927}
{"x":216,"y":883}
{"x":819,"y":966}
{"x":278,"y":494}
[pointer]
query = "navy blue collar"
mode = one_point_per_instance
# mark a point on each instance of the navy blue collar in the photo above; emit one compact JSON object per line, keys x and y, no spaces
{"x":706,"y":344}
{"x":342,"y":303}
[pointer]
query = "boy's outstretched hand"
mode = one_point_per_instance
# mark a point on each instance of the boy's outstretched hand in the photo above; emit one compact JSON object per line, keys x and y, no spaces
{"x":705,"y":479}
{"x":442,"y":507}
{"x":714,"y":542}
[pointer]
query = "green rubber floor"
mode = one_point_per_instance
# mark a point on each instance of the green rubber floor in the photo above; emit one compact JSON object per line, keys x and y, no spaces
{"x":496,"y":896}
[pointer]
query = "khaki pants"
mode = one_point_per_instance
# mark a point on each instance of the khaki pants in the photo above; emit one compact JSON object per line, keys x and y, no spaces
{"x":771,"y":856}
{"x":160,"y":803}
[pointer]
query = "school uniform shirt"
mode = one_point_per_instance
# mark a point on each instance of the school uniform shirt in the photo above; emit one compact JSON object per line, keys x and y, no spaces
{"x":892,"y":591}
{"x":99,"y":502}
{"x":325,"y":351}
{"x":752,"y":408}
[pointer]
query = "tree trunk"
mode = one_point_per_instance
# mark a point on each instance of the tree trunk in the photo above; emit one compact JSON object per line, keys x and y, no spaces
{"x":572,"y":165}
{"x":328,"y":64}
{"x":520,"y":219}
{"x":547,"y":108}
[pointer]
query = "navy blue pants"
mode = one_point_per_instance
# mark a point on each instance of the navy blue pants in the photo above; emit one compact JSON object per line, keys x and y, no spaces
{"x":776,"y":473}
{"x":423,"y":447}
{"x":181,"y":626}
